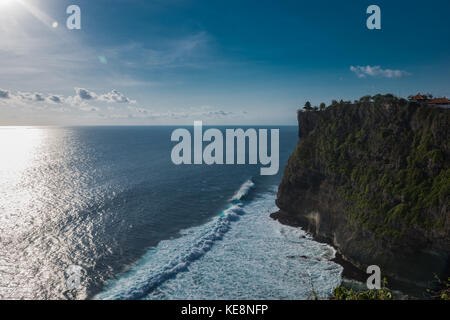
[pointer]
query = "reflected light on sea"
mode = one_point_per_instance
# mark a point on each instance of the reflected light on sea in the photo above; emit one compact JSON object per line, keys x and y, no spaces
{"x":45,"y":181}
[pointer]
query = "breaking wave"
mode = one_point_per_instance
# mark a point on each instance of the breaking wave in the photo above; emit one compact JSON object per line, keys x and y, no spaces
{"x":171,"y":257}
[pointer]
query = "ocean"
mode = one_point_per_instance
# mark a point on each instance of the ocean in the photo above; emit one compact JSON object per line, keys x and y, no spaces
{"x":110,"y":201}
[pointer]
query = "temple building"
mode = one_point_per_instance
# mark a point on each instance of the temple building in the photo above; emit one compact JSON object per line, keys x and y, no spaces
{"x":427,"y":99}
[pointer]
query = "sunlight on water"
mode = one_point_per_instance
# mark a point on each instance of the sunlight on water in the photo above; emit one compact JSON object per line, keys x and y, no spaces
{"x":100,"y":198}
{"x":19,"y":152}
{"x":19,"y":147}
{"x":39,"y":190}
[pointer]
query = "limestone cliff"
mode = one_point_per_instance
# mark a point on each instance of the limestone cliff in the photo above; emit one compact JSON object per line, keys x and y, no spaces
{"x":372,"y":178}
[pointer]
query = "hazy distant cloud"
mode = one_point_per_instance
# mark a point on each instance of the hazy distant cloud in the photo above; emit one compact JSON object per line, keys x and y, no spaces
{"x":82,"y":99}
{"x":193,"y":113}
{"x":138,"y":110}
{"x":88,"y":108}
{"x":219,"y":113}
{"x":377,"y":71}
{"x":212,"y":112}
{"x":114,"y":105}
{"x":190,"y":51}
{"x":202,"y":113}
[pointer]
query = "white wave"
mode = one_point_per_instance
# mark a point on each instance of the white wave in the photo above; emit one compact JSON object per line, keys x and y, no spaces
{"x":243,"y":190}
{"x":257,"y":258}
{"x":173,"y":256}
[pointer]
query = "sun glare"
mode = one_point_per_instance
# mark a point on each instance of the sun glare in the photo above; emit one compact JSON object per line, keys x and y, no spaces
{"x":4,"y":3}
{"x":18,"y":146}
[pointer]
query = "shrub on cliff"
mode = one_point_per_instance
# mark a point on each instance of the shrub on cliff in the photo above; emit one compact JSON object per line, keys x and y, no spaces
{"x":344,"y":293}
{"x":443,"y":293}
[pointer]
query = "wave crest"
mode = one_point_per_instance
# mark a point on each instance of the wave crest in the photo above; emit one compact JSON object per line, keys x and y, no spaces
{"x":243,"y":190}
{"x":171,"y":257}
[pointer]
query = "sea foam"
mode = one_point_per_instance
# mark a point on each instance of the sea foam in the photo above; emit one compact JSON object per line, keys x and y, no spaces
{"x":171,"y":257}
{"x":256,"y":258}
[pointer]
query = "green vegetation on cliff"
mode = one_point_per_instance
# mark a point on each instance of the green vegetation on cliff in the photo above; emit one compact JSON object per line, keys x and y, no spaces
{"x":443,"y":291}
{"x":346,"y":293}
{"x":387,"y":158}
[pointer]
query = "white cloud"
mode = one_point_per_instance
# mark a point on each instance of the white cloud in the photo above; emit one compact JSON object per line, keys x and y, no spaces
{"x":377,"y":71}
{"x":85,"y":94}
{"x":113,"y":105}
{"x":22,"y":96}
{"x":30,"y":96}
{"x":53,"y":98}
{"x":115,"y":96}
{"x":79,"y":101}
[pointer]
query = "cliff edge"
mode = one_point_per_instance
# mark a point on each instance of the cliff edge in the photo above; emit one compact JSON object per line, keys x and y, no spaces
{"x":372,"y":178}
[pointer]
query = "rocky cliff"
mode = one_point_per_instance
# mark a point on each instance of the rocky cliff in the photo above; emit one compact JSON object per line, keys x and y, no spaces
{"x":372,"y":178}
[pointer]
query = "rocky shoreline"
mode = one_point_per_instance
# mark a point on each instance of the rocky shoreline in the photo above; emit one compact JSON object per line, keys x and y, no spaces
{"x":350,"y":271}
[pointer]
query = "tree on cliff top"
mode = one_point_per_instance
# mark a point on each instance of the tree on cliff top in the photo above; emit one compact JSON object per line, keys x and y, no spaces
{"x":308,"y":106}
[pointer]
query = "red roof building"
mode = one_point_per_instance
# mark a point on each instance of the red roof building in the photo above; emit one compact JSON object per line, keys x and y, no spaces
{"x":419,"y":97}
{"x":443,"y":100}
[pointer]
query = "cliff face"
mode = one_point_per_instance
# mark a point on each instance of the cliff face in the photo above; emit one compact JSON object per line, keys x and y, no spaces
{"x":373,"y":180}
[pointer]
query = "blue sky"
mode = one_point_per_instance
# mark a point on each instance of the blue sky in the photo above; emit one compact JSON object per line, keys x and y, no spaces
{"x":223,"y":62}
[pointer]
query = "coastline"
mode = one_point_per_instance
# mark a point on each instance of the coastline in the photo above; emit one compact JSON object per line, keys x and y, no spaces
{"x":350,"y":271}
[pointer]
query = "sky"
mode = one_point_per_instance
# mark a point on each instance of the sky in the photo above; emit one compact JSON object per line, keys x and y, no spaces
{"x":170,"y":62}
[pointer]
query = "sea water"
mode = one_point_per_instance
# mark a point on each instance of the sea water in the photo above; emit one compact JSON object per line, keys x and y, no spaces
{"x":110,"y":201}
